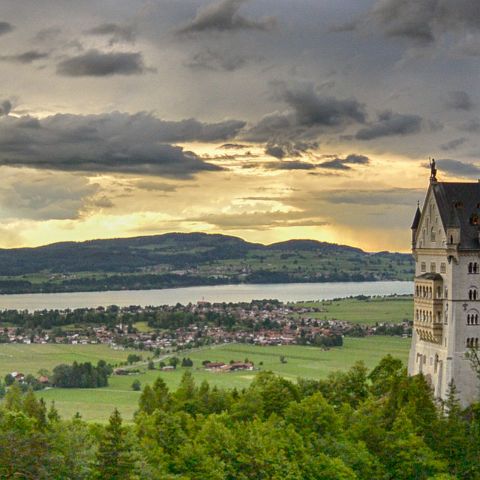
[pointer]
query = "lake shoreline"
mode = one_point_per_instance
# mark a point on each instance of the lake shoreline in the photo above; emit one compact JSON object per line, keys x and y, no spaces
{"x":288,"y":292}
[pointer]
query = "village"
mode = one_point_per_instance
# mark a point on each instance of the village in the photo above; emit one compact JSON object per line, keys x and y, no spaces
{"x":195,"y":325}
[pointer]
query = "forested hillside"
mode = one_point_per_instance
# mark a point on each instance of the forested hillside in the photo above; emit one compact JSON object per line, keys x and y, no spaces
{"x":178,"y":259}
{"x":355,"y":425}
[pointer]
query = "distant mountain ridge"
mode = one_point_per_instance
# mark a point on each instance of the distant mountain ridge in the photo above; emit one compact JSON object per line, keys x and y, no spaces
{"x":181,"y":259}
{"x":123,"y":254}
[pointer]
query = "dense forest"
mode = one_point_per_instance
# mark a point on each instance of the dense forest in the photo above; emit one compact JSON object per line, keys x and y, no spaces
{"x":182,"y":260}
{"x":354,"y":425}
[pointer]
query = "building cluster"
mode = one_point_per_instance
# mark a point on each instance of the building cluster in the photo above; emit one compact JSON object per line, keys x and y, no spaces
{"x":258,"y":323}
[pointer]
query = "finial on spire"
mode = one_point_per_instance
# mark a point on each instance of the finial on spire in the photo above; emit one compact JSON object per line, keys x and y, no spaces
{"x":433,"y":171}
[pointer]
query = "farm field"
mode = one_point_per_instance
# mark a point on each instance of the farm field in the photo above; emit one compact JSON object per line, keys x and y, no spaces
{"x":97,"y":404}
{"x":368,"y":312}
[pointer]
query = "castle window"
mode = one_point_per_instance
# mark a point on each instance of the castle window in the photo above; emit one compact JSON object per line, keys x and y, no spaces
{"x":470,"y":267}
{"x":472,"y":294}
{"x":475,"y":267}
{"x":423,"y":267}
{"x":433,"y":267}
{"x":432,"y":235}
{"x":443,"y":268}
{"x":474,"y":220}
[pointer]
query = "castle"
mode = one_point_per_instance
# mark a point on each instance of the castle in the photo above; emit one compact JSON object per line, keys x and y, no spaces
{"x":446,"y":248}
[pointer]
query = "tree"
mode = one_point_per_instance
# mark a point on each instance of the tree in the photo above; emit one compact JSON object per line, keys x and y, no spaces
{"x":173,"y":361}
{"x":9,"y":379}
{"x":136,"y":385}
{"x":114,"y":460}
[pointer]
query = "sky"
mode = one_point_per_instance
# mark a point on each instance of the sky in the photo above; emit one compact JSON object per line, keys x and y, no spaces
{"x":264,"y":119}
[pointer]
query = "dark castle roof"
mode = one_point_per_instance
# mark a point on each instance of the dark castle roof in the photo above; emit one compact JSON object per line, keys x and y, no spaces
{"x":458,"y":204}
{"x":416,"y":220}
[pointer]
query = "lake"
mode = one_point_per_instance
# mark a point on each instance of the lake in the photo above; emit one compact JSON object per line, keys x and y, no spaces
{"x":290,"y":292}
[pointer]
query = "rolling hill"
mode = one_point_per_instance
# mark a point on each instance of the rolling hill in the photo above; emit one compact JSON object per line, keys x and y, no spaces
{"x":185,"y":259}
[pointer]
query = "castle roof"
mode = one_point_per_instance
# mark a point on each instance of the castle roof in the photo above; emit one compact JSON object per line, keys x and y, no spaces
{"x":459,"y":207}
{"x":416,"y":220}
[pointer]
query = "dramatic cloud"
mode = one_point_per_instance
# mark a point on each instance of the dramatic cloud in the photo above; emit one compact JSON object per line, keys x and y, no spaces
{"x":391,"y":124}
{"x":224,"y":16}
{"x":117,"y":33}
{"x":25,"y":57}
{"x":458,"y":168}
{"x":344,"y":163}
{"x":5,"y":107}
{"x":312,"y":109}
{"x":425,"y":21}
{"x":6,"y":27}
{"x":289,"y":149}
{"x":113,"y":142}
{"x":99,"y":64}
{"x":459,"y":100}
{"x":309,"y":114}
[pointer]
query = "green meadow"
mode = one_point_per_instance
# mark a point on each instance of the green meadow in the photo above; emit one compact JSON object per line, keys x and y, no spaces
{"x":97,"y":404}
{"x":368,"y":312}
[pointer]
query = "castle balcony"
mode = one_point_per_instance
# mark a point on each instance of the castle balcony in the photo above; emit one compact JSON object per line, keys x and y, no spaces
{"x":428,"y":307}
{"x":429,"y":333}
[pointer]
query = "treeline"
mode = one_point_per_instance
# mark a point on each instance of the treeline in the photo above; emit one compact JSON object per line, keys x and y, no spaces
{"x":170,"y":280}
{"x":156,"y":317}
{"x":354,"y":425}
{"x":81,"y":375}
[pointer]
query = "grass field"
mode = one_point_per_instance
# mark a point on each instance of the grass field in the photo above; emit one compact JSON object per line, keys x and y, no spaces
{"x":97,"y":404}
{"x":369,"y":312}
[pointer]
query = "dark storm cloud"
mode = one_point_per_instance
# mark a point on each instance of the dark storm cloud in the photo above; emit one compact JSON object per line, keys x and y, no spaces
{"x":6,"y":27}
{"x":100,"y":64}
{"x":289,"y":149}
{"x":117,"y":33}
{"x":275,"y":151}
{"x":391,"y":124}
{"x":289,"y":165}
{"x":5,"y":107}
{"x":312,"y":109}
{"x":238,"y":146}
{"x":25,"y":57}
{"x":453,"y":144}
{"x":459,"y":100}
{"x":344,"y":163}
{"x":224,"y":16}
{"x":114,"y":142}
{"x":458,"y":168}
{"x":425,"y":21}
{"x":309,"y":114}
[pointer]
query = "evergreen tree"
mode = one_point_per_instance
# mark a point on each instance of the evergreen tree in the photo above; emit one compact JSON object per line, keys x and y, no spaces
{"x":114,"y":460}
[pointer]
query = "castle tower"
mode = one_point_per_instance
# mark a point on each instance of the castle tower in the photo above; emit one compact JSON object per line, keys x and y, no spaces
{"x":446,"y":248}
